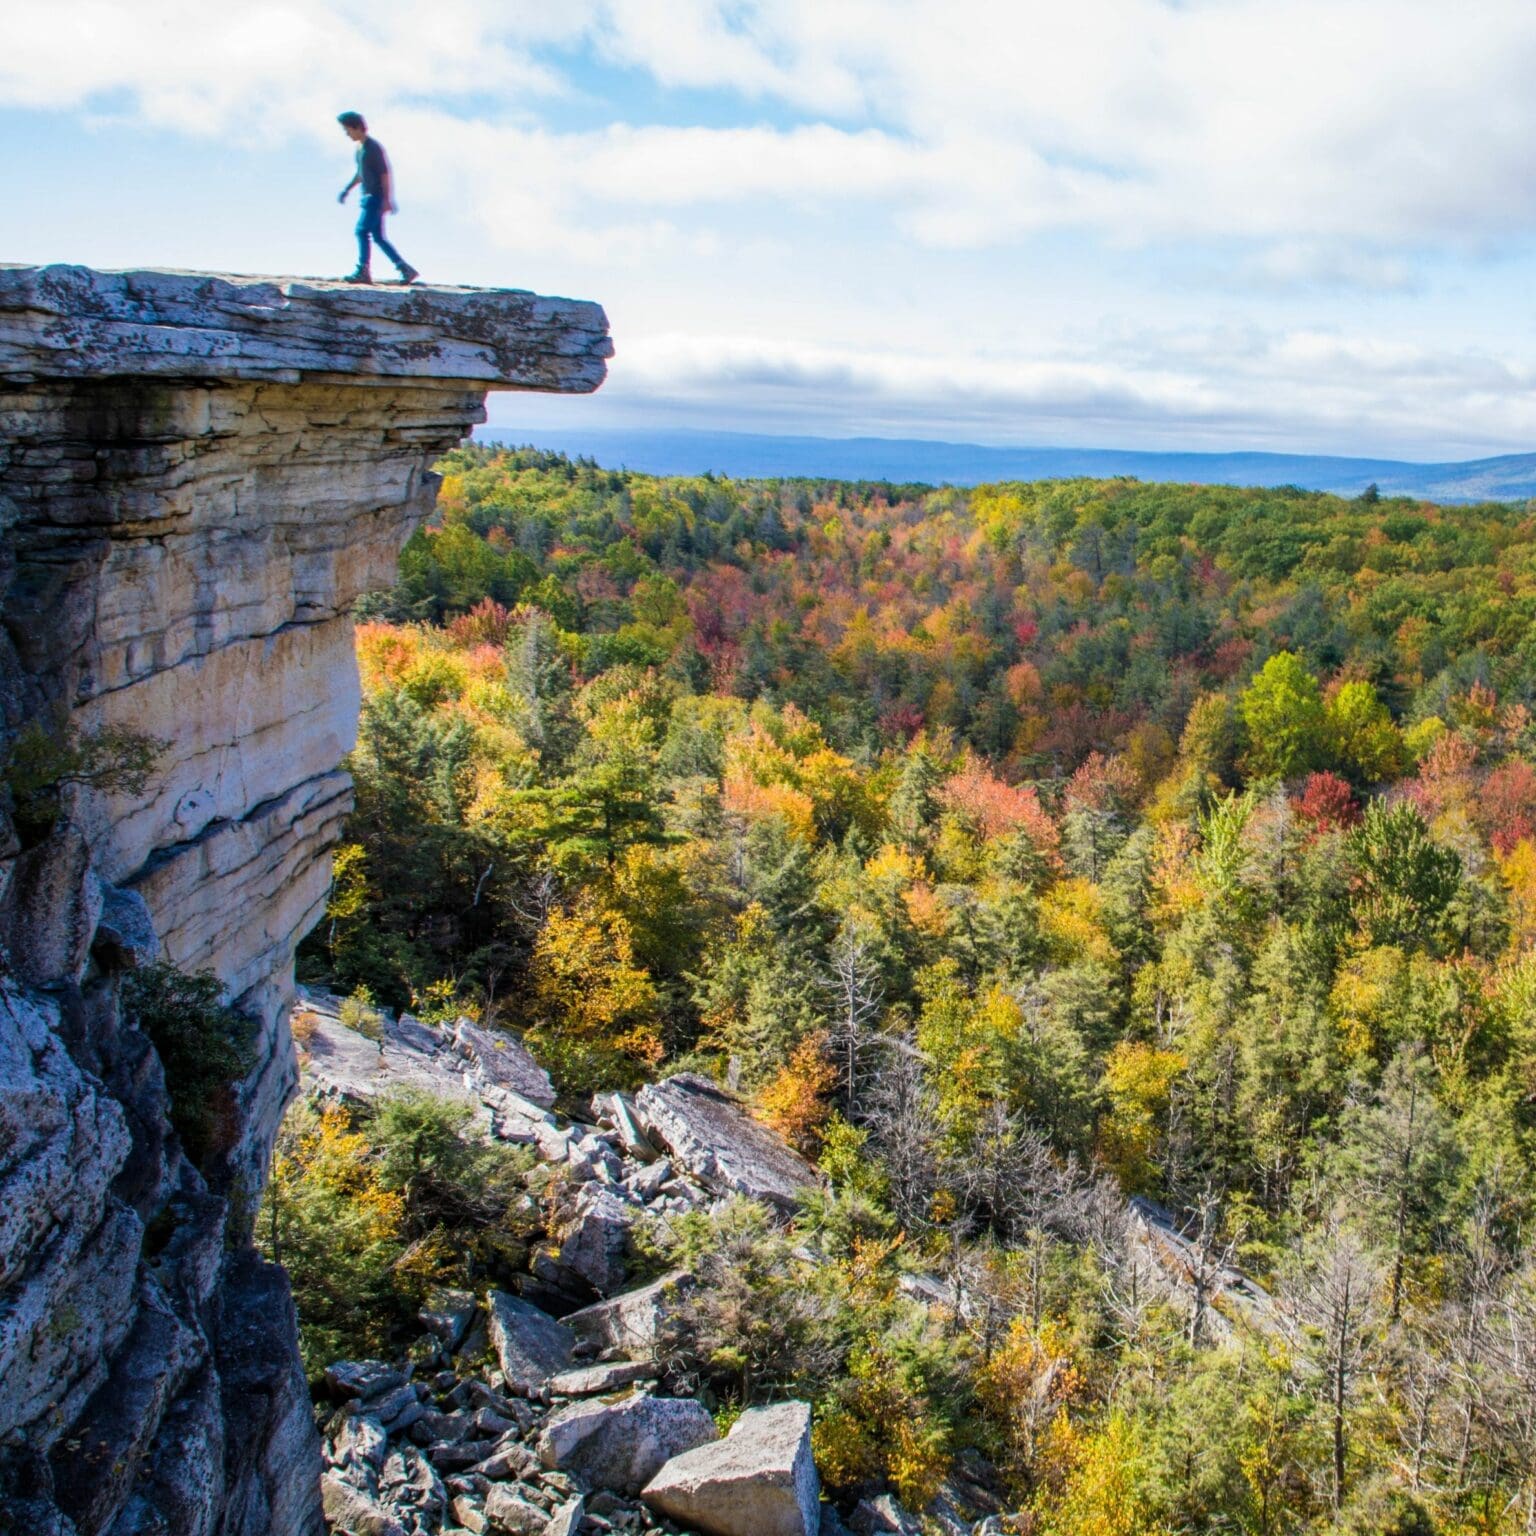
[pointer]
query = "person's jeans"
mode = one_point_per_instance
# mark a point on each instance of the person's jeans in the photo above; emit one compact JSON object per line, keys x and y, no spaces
{"x":370,"y":226}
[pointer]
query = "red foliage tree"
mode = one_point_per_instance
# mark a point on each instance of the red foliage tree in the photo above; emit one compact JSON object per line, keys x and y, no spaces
{"x":487,"y":623}
{"x":1505,"y":809}
{"x":1326,"y":802}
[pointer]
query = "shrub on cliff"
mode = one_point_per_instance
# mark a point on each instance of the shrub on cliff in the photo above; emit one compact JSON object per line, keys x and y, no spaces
{"x":328,"y":1219}
{"x":205,"y":1046}
{"x":369,"y":1209}
{"x":48,"y":756}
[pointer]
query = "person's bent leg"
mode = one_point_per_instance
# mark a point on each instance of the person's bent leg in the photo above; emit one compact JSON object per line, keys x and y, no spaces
{"x":406,"y":269}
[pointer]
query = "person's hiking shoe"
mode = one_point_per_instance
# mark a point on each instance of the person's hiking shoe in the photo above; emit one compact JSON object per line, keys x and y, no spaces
{"x":362,"y":275}
{"x":408,"y":275}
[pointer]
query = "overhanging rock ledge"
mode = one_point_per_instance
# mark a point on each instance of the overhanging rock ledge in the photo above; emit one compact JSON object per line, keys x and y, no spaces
{"x":199,"y":475}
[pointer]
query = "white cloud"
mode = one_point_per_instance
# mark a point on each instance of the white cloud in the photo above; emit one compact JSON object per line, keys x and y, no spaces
{"x":1296,"y":123}
{"x":856,"y":230}
{"x":1286,"y":390}
{"x":269,"y":64}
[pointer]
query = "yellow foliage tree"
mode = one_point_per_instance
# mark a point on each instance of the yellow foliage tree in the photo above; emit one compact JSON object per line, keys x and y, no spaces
{"x":1104,"y":1492}
{"x":1028,"y":1380}
{"x":1138,"y":1081}
{"x":595,"y":1009}
{"x":1518,"y":868}
{"x":881,"y":1427}
{"x":797,"y":1103}
{"x":1072,"y":918}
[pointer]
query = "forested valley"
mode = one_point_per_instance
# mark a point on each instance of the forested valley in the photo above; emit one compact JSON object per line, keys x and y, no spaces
{"x":1056,"y":865}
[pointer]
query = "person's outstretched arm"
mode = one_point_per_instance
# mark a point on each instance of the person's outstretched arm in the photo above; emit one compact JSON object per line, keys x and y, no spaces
{"x":341,"y":196}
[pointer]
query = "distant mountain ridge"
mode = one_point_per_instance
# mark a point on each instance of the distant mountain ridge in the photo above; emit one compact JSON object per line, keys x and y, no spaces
{"x":743,"y":455}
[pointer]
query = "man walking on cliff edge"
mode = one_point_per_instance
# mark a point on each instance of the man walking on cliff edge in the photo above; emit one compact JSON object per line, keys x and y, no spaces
{"x":378,"y":199}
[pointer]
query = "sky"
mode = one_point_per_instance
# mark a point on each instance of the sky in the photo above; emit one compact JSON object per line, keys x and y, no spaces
{"x":1292,"y":225}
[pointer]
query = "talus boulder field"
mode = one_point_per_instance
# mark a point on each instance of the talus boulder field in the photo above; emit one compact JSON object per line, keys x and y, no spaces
{"x":199,"y":475}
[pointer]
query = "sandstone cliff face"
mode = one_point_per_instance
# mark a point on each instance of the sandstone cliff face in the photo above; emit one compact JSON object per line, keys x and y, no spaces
{"x":198,"y":477}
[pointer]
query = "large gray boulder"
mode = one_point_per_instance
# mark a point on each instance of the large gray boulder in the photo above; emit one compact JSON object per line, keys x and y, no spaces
{"x":629,"y":1324}
{"x":711,"y":1135}
{"x":349,"y":1511}
{"x":596,"y":1244}
{"x":491,"y":1073}
{"x":622,"y":1445}
{"x":505,"y":1061}
{"x":530,"y":1344}
{"x":759,"y":1481}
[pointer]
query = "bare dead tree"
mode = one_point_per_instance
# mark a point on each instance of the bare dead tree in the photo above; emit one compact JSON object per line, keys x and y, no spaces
{"x":1509,"y":1400}
{"x":1211,"y":1254}
{"x":858,"y":995}
{"x":537,"y":899}
{"x":1009,"y":1181}
{"x":903,"y":1120}
{"x":1329,"y":1306}
{"x":1465,"y":1334}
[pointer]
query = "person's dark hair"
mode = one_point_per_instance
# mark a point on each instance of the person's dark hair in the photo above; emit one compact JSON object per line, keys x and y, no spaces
{"x":352,"y":120}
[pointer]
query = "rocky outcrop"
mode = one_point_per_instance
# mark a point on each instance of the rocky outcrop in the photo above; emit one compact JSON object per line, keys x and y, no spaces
{"x":711,"y":1135}
{"x":198,"y":477}
{"x":759,"y":1481}
{"x":530,"y":1346}
{"x":622,"y":1445}
{"x":492,"y":1073}
{"x":78,"y":323}
{"x":537,"y":1417}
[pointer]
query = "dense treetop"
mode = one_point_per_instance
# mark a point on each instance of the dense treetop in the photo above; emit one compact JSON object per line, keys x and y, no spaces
{"x":1007,"y":844}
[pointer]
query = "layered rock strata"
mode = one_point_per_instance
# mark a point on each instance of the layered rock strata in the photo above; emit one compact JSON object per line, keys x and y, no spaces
{"x":199,"y":475}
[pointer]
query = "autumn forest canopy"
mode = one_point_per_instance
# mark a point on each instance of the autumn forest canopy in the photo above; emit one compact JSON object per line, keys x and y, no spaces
{"x":1015,"y":851}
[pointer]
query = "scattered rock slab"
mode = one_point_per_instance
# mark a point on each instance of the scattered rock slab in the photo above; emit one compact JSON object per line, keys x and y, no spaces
{"x":505,"y":1061}
{"x":649,"y":1181}
{"x":364,"y":1379}
{"x":883,"y":1516}
{"x":506,"y":1510}
{"x":448,"y":1314}
{"x":622,"y":1445}
{"x":710,"y":1134}
{"x":596,"y":1245}
{"x":507,"y":1460}
{"x":593,"y":1380}
{"x":759,"y":1481}
{"x":615,"y":1109}
{"x":566,"y":1521}
{"x":469,"y":1514}
{"x":410,"y":1483}
{"x":397,"y":1410}
{"x":351,"y":1512}
{"x":530,"y":1344}
{"x":629,"y":1323}
{"x":361,"y":1441}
